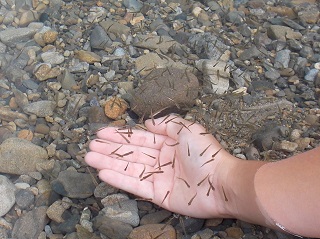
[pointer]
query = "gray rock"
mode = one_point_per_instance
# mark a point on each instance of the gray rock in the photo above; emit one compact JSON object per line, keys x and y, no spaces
{"x":119,"y":52}
{"x":236,"y":17}
{"x":294,"y":45}
{"x":311,"y":75}
{"x":24,"y":198}
{"x":79,"y":67}
{"x":207,"y":46}
{"x":272,"y":74}
{"x":5,"y":134}
{"x":250,"y":53}
{"x":21,"y":98}
{"x":12,"y":36}
{"x":19,"y":156}
{"x":67,"y":184}
{"x":112,"y":228}
{"x":133,"y":5}
{"x":67,"y":80}
{"x":114,"y":27}
{"x":53,"y":58}
{"x":292,"y":24}
{"x":216,"y":75}
{"x":104,"y":189}
{"x":190,"y":225}
{"x":99,"y":39}
{"x":282,"y":59}
{"x":156,"y":217}
{"x":40,"y":108}
{"x":3,"y":48}
{"x":30,"y":224}
{"x":162,"y":43}
{"x":7,"y":197}
{"x":277,"y":32}
{"x":252,"y":153}
{"x":165,"y":89}
{"x":121,"y":208}
{"x":30,"y":84}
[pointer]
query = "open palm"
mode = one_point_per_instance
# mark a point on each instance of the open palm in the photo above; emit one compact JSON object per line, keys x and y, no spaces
{"x":174,"y":164}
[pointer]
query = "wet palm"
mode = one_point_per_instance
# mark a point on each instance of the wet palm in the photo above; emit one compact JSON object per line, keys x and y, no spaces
{"x":175,"y":164}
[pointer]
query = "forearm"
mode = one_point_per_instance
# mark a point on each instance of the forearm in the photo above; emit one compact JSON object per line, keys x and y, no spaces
{"x":281,"y":195}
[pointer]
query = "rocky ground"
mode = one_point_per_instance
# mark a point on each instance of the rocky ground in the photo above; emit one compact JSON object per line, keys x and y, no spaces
{"x":249,"y":71}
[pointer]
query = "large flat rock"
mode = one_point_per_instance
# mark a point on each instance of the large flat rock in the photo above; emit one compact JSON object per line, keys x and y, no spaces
{"x":20,"y":156}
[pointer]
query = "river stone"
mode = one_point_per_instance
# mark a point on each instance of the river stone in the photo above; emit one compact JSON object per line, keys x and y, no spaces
{"x":153,"y":231}
{"x":7,"y":195}
{"x":165,"y":91}
{"x":20,"y":156}
{"x":40,"y":108}
{"x":67,"y":184}
{"x":121,"y":208}
{"x":11,"y":36}
{"x":30,"y":224}
{"x":112,"y":228}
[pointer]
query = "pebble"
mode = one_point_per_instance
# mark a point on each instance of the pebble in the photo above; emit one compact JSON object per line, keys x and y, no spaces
{"x":114,"y":27}
{"x":155,"y":218}
{"x":87,"y":56}
{"x":30,"y":224}
{"x":286,"y":146}
{"x":40,"y":108}
{"x":154,"y":231}
{"x":53,"y":58}
{"x":24,"y":198}
{"x":252,"y":153}
{"x":12,"y":36}
{"x":216,"y":75}
{"x":55,"y":210}
{"x":45,"y":71}
{"x":99,"y":39}
{"x":311,"y":75}
{"x":234,"y":232}
{"x":7,"y":195}
{"x":20,"y":156}
{"x":282,"y":59}
{"x":25,"y":134}
{"x":104,"y":189}
{"x":112,"y":228}
{"x":67,"y":182}
{"x":121,"y":208}
{"x":115,"y":107}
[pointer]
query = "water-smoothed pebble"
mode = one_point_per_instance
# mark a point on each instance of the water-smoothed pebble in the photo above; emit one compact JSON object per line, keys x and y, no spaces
{"x":19,"y":156}
{"x":67,"y":184}
{"x":7,"y":195}
{"x":121,"y":208}
{"x":30,"y":224}
{"x":41,"y":108}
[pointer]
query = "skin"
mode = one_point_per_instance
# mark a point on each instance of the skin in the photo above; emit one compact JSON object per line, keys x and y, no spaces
{"x":238,"y":188}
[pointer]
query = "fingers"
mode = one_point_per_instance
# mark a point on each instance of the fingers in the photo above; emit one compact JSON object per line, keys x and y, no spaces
{"x":173,"y":126}
{"x":143,"y":189}
{"x":134,"y":137}
{"x":101,"y":162}
{"x":127,"y":152}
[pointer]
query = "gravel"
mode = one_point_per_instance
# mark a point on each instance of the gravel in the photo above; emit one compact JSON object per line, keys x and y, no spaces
{"x":254,"y":67}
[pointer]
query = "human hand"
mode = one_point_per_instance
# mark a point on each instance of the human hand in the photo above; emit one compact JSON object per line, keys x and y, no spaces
{"x":174,"y":164}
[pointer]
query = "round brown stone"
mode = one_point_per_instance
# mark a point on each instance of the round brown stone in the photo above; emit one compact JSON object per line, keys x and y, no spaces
{"x":25,"y":134}
{"x":115,"y":107}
